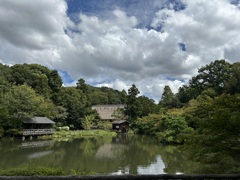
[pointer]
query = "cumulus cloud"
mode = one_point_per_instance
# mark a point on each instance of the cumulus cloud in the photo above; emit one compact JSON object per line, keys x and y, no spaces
{"x":32,"y":31}
{"x":125,"y":46}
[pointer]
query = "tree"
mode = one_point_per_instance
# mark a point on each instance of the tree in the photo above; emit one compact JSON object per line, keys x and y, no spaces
{"x":87,"y":122}
{"x":233,"y":83}
{"x":133,"y":108}
{"x":82,"y":85}
{"x":166,"y":128}
{"x":75,"y":103}
{"x":43,"y":80}
{"x":215,"y":75}
{"x":148,"y":106}
{"x":54,"y":81}
{"x":216,"y":139}
{"x":23,"y":102}
{"x":167,"y":99}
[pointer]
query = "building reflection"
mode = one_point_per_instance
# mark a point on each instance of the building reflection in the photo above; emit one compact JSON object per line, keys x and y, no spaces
{"x":32,"y":144}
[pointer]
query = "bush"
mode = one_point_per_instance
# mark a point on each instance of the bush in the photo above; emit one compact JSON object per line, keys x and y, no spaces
{"x":104,"y":125}
{"x":64,"y":128}
{"x":166,"y":128}
{"x":32,"y":171}
{"x":12,"y":132}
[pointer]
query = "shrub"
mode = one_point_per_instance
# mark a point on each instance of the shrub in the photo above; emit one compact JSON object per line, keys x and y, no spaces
{"x":32,"y":171}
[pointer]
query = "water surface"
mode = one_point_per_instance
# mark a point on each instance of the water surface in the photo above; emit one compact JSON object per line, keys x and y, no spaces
{"x":101,"y":155}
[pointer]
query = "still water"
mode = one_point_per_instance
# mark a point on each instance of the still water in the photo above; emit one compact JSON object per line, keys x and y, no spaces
{"x":101,"y":155}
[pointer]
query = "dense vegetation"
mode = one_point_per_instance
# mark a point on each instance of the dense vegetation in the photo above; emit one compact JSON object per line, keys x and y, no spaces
{"x":28,"y":90}
{"x":204,"y":114}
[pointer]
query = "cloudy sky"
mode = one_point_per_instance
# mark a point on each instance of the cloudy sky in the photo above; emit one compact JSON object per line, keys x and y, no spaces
{"x":115,"y":43}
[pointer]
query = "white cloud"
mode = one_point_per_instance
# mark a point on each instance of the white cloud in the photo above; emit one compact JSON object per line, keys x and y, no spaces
{"x":115,"y":49}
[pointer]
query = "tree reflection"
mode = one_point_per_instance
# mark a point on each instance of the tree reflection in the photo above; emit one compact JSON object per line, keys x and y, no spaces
{"x":103,"y":155}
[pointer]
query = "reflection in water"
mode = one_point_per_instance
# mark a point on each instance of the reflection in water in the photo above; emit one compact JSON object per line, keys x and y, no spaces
{"x":110,"y":150}
{"x":154,"y":168}
{"x":101,"y":155}
{"x":37,"y":143}
{"x":39,"y":154}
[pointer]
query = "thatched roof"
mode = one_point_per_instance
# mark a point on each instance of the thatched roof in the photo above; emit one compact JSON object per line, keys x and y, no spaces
{"x":38,"y":120}
{"x":106,"y":111}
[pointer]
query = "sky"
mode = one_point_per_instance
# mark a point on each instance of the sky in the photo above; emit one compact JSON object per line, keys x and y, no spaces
{"x":117,"y":43}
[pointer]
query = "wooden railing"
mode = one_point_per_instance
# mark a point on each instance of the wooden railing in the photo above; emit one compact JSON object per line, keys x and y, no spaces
{"x":29,"y":132}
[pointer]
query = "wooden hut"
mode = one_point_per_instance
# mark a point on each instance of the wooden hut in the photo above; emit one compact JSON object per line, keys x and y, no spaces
{"x":37,"y":126}
{"x":120,"y":125}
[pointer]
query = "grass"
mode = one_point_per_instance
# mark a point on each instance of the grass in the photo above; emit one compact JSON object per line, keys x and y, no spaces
{"x":82,"y":133}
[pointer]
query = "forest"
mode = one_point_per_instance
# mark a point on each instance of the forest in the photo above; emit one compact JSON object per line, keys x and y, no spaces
{"x":203,"y":115}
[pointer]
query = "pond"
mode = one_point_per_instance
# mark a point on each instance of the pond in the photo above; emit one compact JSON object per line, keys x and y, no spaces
{"x":118,"y":155}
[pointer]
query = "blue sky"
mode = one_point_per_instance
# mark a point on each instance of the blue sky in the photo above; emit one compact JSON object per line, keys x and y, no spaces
{"x":137,"y":8}
{"x":115,"y":43}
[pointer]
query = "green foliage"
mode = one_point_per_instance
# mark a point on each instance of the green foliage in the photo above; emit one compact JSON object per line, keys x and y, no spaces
{"x":80,"y":133}
{"x":105,"y":125}
{"x":173,"y":130}
{"x":28,"y":90}
{"x":215,"y":75}
{"x":63,"y":128}
{"x":31,"y":170}
{"x":216,"y":139}
{"x":220,"y":76}
{"x":23,"y":102}
{"x":233,"y":83}
{"x":148,"y":106}
{"x":133,"y":108}
{"x":74,"y":104}
{"x":167,"y":98}
{"x":44,"y":81}
{"x":166,"y":128}
{"x":87,"y":122}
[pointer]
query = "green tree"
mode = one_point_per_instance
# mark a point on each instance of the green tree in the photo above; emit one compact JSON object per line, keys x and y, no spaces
{"x":75,"y":103}
{"x":216,"y":139}
{"x":233,"y":83}
{"x":173,"y":129}
{"x":167,"y":101}
{"x":82,"y":85}
{"x":23,"y":102}
{"x":87,"y":122}
{"x":166,"y":128}
{"x":133,"y":108}
{"x":148,"y":106}
{"x":43,"y":80}
{"x":215,"y":75}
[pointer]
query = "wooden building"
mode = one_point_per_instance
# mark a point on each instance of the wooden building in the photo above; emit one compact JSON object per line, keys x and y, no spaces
{"x":120,"y":125}
{"x":37,"y":126}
